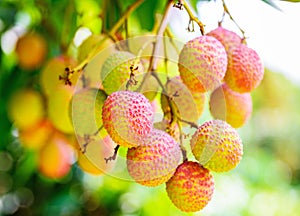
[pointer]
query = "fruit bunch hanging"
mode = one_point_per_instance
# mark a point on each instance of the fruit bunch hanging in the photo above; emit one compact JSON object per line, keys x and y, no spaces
{"x":144,"y":96}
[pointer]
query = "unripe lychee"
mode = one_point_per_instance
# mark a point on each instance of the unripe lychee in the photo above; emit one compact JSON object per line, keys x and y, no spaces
{"x":26,"y":108}
{"x":155,"y":161}
{"x":94,"y":41}
{"x":188,"y":105}
{"x":245,"y":69}
{"x":59,"y":102}
{"x":55,"y":67}
{"x":55,"y":158}
{"x":103,"y":50}
{"x":36,"y":137}
{"x":116,"y":70}
{"x":217,"y":146}
{"x":86,"y":110}
{"x":229,"y":39}
{"x":233,"y":107}
{"x":92,"y":160}
{"x":127,"y":117}
{"x":202,"y":63}
{"x":191,"y":187}
{"x":31,"y":50}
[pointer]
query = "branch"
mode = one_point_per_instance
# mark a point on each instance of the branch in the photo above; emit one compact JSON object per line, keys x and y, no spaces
{"x":182,"y":4}
{"x":115,"y":28}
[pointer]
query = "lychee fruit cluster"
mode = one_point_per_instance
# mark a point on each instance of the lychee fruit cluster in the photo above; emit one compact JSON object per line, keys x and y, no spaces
{"x":153,"y":155}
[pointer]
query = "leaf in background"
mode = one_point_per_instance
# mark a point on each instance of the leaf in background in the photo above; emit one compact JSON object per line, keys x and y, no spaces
{"x":194,"y":3}
{"x":271,"y":3}
{"x":146,"y":13}
{"x":294,"y":1}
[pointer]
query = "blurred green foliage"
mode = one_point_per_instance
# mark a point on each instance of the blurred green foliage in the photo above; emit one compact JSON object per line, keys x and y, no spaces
{"x":267,"y":182}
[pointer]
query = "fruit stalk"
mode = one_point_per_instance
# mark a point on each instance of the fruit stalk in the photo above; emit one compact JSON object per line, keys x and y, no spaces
{"x":230,"y":16}
{"x":193,"y":18}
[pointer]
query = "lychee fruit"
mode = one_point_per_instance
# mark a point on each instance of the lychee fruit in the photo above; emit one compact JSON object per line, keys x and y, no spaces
{"x":26,"y":108}
{"x":217,"y":146}
{"x":31,"y":50}
{"x":86,"y":110}
{"x":191,"y":187}
{"x":245,"y":69}
{"x":202,"y":63}
{"x":233,"y":107}
{"x":188,"y":105}
{"x":155,"y":161}
{"x":117,"y":68}
{"x":229,"y":39}
{"x":127,"y":117}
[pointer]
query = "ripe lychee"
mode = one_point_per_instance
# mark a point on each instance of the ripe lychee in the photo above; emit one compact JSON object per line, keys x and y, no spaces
{"x":155,"y":161}
{"x":202,"y":63}
{"x":188,"y":105}
{"x":86,"y":110}
{"x":245,"y":69}
{"x":233,"y":107}
{"x":191,"y":187}
{"x":217,"y":146}
{"x":31,"y":50}
{"x":128,"y":117}
{"x":229,"y":39}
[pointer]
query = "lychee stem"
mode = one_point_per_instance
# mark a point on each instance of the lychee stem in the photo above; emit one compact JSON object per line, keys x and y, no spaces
{"x":88,"y":138}
{"x":230,"y":16}
{"x":114,"y":156}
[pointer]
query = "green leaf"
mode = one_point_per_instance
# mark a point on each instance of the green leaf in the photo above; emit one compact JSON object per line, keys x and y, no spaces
{"x":271,"y":3}
{"x":294,"y":1}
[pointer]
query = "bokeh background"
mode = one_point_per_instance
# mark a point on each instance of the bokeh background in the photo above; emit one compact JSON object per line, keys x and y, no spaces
{"x":266,"y":182}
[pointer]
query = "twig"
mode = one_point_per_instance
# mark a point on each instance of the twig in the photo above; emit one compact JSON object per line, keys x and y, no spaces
{"x":113,"y":157}
{"x":230,"y":16}
{"x":160,"y":32}
{"x":89,"y":138}
{"x":192,"y":124}
{"x":193,"y":18}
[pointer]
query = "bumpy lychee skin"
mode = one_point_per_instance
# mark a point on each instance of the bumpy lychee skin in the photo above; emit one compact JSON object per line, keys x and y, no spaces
{"x":188,"y":105}
{"x":217,"y":146}
{"x":127,"y":117}
{"x":229,"y":39}
{"x":154,"y":162}
{"x":115,"y":71}
{"x":191,"y":187}
{"x":233,"y":107}
{"x":202,"y":63}
{"x":245,"y":69}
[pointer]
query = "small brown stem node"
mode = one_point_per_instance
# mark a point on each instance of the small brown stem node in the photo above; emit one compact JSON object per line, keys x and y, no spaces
{"x":113,"y":157}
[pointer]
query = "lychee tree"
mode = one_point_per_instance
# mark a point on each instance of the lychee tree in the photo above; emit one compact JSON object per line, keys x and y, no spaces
{"x":106,"y":88}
